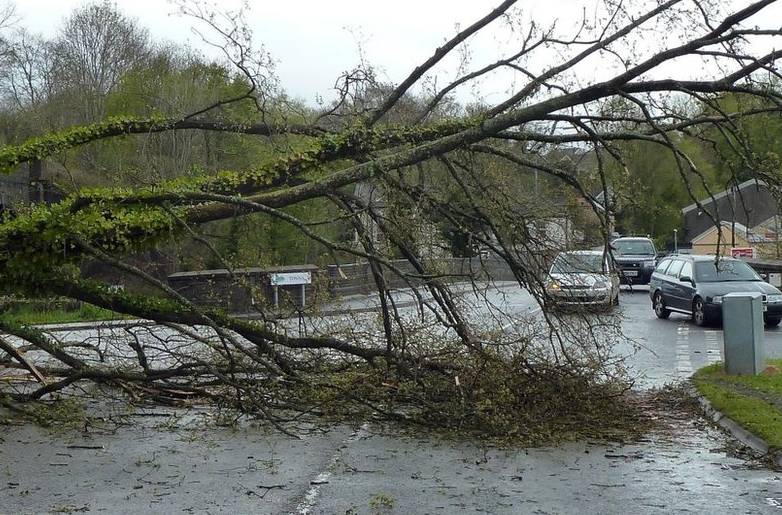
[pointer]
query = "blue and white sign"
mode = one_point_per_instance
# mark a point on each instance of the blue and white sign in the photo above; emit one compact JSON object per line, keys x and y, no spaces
{"x":290,"y":278}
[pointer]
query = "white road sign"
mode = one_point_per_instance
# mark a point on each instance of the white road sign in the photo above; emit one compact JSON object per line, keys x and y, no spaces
{"x":290,"y":278}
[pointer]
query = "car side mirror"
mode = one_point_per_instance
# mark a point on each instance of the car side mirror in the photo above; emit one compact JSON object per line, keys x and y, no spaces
{"x":686,"y":279}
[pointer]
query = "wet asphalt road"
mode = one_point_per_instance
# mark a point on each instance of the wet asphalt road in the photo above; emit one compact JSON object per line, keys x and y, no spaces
{"x":673,"y":349}
{"x":659,"y":351}
{"x":168,"y":465}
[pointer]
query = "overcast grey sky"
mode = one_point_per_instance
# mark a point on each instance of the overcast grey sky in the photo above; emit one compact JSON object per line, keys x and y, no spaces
{"x":312,"y":40}
{"x":316,"y":40}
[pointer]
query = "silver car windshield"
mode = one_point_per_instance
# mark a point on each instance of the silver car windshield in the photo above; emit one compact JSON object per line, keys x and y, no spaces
{"x":578,"y":264}
{"x":634,"y":248}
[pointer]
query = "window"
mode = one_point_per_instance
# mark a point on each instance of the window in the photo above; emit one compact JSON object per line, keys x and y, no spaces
{"x":676,"y":265}
{"x":663,"y":266}
{"x":634,"y":247}
{"x":578,"y":263}
{"x":725,"y":270}
{"x":686,"y":270}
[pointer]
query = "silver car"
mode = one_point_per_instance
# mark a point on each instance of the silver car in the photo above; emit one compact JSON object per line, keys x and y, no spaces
{"x":583,"y":278}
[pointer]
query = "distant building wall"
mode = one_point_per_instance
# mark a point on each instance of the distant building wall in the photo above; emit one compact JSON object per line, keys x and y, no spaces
{"x":707,"y":243}
{"x":239,"y":290}
{"x":27,"y":185}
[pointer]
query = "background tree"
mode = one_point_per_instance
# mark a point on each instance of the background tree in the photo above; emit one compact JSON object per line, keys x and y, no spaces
{"x":95,"y":47}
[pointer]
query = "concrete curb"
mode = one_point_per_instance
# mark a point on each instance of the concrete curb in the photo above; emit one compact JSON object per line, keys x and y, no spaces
{"x":735,"y":429}
{"x":94,"y":324}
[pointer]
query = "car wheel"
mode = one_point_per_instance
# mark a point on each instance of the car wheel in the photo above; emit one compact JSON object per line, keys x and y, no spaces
{"x":772,"y":321}
{"x":659,"y":306}
{"x":699,"y":312}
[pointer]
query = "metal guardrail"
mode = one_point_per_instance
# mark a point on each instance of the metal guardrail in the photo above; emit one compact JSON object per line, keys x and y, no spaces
{"x":357,"y":278}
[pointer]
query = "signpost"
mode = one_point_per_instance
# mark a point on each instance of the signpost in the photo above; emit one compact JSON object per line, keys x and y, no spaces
{"x":743,"y":252}
{"x":290,"y":279}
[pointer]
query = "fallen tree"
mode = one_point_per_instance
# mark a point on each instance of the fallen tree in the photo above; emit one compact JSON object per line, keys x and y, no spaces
{"x":456,"y":361}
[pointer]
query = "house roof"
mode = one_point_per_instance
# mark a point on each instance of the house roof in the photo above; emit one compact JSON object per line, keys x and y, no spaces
{"x":722,"y":194}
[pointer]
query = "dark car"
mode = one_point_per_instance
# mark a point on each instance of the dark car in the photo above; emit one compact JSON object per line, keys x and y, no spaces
{"x":695,"y":285}
{"x":635,"y":258}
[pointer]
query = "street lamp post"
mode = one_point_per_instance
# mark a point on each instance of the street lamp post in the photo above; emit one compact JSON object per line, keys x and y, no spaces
{"x":675,"y":241}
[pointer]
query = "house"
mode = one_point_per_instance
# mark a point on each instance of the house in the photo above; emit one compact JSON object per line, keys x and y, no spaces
{"x":770,"y":228}
{"x":731,"y":234}
{"x":749,"y":204}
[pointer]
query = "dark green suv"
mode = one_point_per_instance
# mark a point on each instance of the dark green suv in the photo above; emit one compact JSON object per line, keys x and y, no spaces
{"x":635,"y":259}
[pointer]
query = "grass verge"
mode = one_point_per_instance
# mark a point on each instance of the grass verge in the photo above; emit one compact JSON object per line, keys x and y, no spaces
{"x":34,"y":315}
{"x":755,"y":402}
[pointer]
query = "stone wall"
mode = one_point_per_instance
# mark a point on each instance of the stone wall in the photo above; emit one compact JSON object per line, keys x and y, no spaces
{"x":239,"y":290}
{"x":356,"y":278}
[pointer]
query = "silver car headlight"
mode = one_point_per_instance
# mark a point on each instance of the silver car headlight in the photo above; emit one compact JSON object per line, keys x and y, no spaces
{"x":774,"y":297}
{"x":600,"y":284}
{"x":717,"y":299}
{"x":650,"y":264}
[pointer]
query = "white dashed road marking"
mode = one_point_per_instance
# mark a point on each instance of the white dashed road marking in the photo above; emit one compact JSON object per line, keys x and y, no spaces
{"x":311,"y":497}
{"x":713,"y":346}
{"x":683,"y":359}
